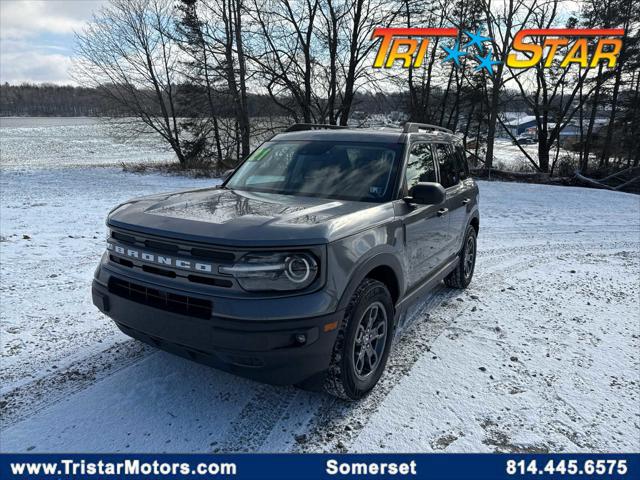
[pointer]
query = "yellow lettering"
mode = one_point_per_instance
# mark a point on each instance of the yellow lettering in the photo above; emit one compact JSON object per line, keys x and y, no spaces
{"x":612,"y":56}
{"x":519,"y":46}
{"x":578,"y":53}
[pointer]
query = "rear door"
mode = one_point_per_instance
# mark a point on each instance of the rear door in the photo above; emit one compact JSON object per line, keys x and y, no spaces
{"x":426,"y":227}
{"x":453,"y":173}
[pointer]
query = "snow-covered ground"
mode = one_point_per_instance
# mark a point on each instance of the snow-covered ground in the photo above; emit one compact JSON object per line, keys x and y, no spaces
{"x":542,"y":352}
{"x":52,"y":233}
{"x":62,"y":142}
{"x":509,"y":157}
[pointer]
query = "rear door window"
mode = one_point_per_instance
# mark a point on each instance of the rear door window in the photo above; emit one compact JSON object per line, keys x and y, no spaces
{"x":449,"y":165}
{"x":463,"y":167}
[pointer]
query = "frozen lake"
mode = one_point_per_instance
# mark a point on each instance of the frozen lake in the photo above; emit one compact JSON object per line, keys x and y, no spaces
{"x":59,"y":142}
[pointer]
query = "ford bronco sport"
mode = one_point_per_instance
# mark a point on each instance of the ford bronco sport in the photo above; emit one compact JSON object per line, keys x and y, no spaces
{"x":300,"y":266}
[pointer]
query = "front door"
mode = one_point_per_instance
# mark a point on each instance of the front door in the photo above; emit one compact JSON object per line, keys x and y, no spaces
{"x":426,"y":227}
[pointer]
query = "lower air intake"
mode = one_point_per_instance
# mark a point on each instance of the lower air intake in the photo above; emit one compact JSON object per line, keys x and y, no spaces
{"x":181,"y":304}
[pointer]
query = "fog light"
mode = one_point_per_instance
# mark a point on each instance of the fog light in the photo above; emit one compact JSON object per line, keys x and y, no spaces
{"x":301,"y":338}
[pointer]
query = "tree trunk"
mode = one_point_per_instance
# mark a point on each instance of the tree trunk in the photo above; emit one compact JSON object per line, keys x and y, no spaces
{"x":243,"y":108}
{"x":606,"y":148}
{"x":491,"y":127}
{"x":349,"y":86}
{"x":543,"y":152}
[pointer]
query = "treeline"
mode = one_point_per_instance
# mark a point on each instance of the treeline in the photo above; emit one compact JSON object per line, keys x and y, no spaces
{"x":55,"y":100}
{"x":72,"y":101}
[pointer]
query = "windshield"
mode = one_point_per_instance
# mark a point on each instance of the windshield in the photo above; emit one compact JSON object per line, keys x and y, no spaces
{"x":342,"y":170}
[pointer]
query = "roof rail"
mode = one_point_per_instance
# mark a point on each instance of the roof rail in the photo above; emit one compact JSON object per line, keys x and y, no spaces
{"x":412,"y":127}
{"x":298,"y":127}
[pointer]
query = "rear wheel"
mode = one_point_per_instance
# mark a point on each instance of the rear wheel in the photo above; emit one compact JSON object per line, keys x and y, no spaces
{"x":462,"y":275}
{"x":363,"y":343}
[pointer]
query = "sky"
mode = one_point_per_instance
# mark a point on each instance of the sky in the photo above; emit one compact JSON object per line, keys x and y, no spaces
{"x":36,"y":38}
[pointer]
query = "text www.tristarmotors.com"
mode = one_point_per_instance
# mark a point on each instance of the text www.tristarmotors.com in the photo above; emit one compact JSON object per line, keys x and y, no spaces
{"x":125,"y":467}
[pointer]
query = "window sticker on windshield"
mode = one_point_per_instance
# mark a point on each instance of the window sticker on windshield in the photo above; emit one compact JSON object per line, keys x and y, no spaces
{"x":259,"y":154}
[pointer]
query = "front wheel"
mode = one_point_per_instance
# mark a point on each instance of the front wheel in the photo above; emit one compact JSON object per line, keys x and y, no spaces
{"x":462,"y":275}
{"x":364,"y":340}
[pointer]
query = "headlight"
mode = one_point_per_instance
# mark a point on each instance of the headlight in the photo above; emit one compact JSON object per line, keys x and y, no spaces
{"x":274,"y":271}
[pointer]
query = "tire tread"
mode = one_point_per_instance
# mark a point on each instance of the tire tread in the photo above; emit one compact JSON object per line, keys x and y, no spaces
{"x":333,"y":384}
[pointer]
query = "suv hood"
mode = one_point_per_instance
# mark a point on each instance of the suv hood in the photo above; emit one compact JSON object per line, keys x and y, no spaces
{"x":241,"y":218}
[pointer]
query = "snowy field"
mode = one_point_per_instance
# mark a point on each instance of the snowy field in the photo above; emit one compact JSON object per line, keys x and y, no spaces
{"x":542,"y":352}
{"x":62,"y":142}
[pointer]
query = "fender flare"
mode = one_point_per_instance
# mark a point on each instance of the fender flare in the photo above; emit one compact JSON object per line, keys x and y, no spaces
{"x":475,"y":214}
{"x":379,"y":259}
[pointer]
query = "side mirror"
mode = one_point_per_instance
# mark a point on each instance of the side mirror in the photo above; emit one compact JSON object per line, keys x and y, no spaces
{"x":426,"y":193}
{"x":227,"y":174}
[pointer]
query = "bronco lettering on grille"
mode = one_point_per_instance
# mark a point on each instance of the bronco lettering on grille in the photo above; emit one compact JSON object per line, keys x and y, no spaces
{"x":160,"y":259}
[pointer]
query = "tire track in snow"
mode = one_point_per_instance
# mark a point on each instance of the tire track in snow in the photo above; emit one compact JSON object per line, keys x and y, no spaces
{"x":28,"y":399}
{"x":330,"y":424}
{"x":338,"y":423}
{"x":261,"y":415}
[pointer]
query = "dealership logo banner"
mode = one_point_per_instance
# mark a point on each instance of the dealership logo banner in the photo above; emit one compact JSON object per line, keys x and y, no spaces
{"x":319,"y":466}
{"x":586,"y":47}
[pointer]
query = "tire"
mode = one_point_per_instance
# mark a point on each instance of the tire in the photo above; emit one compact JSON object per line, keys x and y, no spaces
{"x":351,"y":374}
{"x":461,"y":276}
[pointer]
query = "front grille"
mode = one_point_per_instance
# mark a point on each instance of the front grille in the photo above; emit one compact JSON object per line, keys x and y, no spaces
{"x":181,"y":304}
{"x":159,"y":271}
{"x":123,"y":238}
{"x":215,"y":255}
{"x":165,"y":247}
{"x":181,"y":250}
{"x":121,"y":261}
{"x":170,"y":248}
{"x":216,"y":282}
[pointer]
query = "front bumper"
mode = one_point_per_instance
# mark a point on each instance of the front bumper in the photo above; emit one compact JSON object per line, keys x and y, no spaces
{"x":269,"y":351}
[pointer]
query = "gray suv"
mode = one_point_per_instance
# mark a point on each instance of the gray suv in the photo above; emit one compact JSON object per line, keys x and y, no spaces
{"x":300,"y":266}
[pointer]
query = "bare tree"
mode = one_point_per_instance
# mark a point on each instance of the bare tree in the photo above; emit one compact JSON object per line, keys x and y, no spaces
{"x":552,"y":92}
{"x":127,"y":53}
{"x":503,"y":18}
{"x":282,"y":52}
{"x":362,"y":18}
{"x":626,"y":14}
{"x":312,"y":56}
{"x":211,"y":34}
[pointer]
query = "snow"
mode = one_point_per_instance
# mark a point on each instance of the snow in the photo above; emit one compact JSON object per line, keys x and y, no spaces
{"x":509,"y":157}
{"x":52,"y":142}
{"x":561,"y":363}
{"x":540,"y":353}
{"x":46,"y":308}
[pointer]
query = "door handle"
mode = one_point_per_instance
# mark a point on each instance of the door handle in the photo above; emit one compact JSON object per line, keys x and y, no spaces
{"x":442,"y":212}
{"x":465,"y":201}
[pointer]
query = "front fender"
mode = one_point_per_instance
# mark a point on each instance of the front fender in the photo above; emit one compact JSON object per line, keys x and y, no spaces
{"x":376,"y":259}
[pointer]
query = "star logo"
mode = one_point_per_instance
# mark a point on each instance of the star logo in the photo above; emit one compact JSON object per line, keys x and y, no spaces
{"x":486,"y":62}
{"x":453,"y":54}
{"x":476,"y":39}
